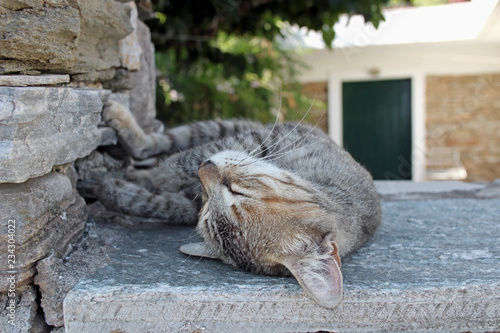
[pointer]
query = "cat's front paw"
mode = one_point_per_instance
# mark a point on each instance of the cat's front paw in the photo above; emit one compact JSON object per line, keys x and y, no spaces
{"x":116,"y":115}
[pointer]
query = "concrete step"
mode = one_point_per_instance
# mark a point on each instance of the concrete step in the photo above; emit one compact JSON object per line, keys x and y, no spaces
{"x":433,"y":265}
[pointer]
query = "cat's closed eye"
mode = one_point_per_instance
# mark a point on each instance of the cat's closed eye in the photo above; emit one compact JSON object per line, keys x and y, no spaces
{"x":227,"y":184}
{"x":235,"y":190}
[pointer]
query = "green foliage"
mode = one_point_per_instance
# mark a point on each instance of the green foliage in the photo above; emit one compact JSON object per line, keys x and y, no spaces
{"x":245,"y":80}
{"x":219,"y":58}
{"x":184,"y":21}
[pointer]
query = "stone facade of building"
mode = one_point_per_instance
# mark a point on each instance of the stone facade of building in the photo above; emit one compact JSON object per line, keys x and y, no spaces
{"x":463,"y":112}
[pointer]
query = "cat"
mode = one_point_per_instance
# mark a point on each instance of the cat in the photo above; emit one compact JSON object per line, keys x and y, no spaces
{"x":281,"y":199}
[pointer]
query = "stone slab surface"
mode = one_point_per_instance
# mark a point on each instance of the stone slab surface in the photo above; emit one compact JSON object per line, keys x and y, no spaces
{"x":434,"y":265}
{"x":410,"y":190}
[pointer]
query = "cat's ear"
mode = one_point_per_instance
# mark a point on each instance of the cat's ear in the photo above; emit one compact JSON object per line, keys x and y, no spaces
{"x":319,"y":275}
{"x":199,"y":250}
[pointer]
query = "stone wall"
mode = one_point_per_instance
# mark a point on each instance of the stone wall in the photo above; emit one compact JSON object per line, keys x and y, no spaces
{"x":60,"y":61}
{"x":463,"y":112}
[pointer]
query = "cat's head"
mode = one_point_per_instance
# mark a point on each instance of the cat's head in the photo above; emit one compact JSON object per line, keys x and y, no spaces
{"x":263,"y":219}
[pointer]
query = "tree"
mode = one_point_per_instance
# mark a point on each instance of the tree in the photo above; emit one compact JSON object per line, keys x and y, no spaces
{"x":220,"y":58}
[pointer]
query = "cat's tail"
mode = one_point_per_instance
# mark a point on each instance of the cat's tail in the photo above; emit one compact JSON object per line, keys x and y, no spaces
{"x":128,"y":198}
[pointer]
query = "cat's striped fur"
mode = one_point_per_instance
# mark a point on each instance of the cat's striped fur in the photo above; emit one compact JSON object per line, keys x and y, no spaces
{"x":142,"y":145}
{"x":275,"y":199}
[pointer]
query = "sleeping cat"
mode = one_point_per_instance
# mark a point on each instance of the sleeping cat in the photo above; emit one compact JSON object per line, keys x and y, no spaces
{"x":276,"y":200}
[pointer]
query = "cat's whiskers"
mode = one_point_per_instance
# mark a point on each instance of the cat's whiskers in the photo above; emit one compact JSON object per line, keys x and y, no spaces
{"x":195,"y":197}
{"x":289,"y":148}
{"x":188,"y":257}
{"x":241,"y":145}
{"x":309,"y":160}
{"x":195,"y":236}
{"x":280,"y":155}
{"x":286,"y":150}
{"x":299,"y":140}
{"x":273,"y":147}
{"x":269,"y":158}
{"x":293,"y":150}
{"x":283,"y":151}
{"x":270,"y":132}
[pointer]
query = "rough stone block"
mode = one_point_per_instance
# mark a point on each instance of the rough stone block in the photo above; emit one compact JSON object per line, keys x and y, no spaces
{"x":140,"y":85}
{"x":143,"y":83}
{"x":43,"y":127}
{"x":97,"y":165}
{"x":48,"y":215}
{"x":25,"y":43}
{"x":103,"y":24}
{"x":84,"y":35}
{"x":32,"y":80}
{"x":26,"y":316}
{"x":108,"y":136}
{"x":58,"y":274}
{"x":433,"y":265}
{"x":96,"y":76}
{"x":130,"y":50}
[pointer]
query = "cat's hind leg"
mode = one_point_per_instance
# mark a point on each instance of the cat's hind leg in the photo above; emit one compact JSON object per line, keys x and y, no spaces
{"x":130,"y":199}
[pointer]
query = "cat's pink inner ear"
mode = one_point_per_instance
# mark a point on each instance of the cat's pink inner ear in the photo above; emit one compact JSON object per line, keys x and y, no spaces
{"x":335,"y":254}
{"x":319,"y":276}
{"x":199,"y":250}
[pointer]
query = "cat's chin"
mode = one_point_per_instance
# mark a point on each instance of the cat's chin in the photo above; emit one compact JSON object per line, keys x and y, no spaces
{"x":319,"y":276}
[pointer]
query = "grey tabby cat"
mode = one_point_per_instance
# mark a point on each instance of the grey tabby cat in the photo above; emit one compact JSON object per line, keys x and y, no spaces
{"x":276,"y":200}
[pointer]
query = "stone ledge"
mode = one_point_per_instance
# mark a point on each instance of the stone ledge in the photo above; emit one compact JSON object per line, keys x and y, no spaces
{"x":33,"y":80}
{"x":432,"y":266}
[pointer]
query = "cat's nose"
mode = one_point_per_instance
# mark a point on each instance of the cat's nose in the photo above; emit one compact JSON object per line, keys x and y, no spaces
{"x":205,"y":164}
{"x":208,"y":173}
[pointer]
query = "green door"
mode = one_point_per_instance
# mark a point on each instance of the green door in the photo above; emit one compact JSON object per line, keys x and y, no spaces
{"x":377,"y":126}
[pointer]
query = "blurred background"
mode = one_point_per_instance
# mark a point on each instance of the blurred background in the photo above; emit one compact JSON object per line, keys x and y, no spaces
{"x":410,"y":88}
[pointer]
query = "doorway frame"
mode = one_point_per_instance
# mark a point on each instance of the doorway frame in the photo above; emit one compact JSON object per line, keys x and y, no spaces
{"x":335,"y":110}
